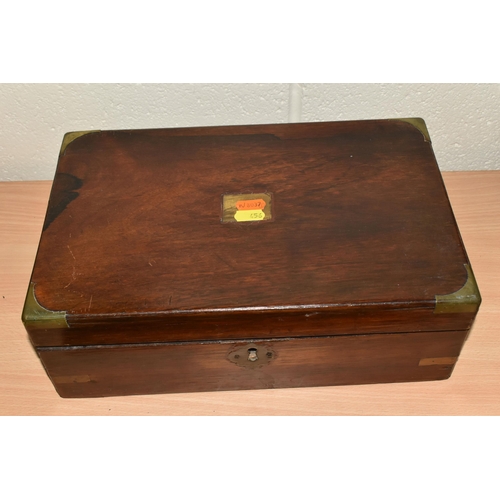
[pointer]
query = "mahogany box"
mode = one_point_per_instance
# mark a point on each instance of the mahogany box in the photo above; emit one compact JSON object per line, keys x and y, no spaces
{"x":248,"y":257}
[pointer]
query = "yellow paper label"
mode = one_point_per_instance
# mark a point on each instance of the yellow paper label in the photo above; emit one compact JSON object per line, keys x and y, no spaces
{"x":249,"y":215}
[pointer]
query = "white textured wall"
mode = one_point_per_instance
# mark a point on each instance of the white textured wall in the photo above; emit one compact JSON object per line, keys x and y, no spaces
{"x":463,"y":120}
{"x":35,"y":117}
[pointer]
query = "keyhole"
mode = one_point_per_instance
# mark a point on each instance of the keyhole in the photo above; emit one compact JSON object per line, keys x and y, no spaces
{"x":252,"y":354}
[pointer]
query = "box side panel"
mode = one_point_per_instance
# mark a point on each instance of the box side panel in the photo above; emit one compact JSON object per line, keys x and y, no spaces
{"x":196,"y":367}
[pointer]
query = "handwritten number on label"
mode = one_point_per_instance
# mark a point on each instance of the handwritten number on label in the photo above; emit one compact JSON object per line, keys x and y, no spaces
{"x":249,"y":215}
{"x":257,"y":204}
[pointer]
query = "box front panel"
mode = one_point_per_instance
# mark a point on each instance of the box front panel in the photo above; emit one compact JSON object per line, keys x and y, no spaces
{"x":95,"y":371}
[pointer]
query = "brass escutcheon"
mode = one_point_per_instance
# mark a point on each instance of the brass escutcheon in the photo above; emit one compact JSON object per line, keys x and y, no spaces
{"x":252,"y":356}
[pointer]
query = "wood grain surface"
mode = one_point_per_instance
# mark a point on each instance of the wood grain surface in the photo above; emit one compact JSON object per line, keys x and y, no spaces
{"x":473,"y":389}
{"x":307,"y":362}
{"x":134,"y":225}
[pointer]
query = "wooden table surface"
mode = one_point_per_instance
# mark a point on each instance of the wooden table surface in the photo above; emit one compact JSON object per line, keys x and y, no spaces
{"x":473,"y":389}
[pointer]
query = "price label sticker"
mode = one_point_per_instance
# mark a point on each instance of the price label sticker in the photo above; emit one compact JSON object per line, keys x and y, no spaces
{"x":251,"y":204}
{"x":249,"y":215}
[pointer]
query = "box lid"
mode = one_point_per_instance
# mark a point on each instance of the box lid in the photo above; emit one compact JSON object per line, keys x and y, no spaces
{"x":248,"y":232}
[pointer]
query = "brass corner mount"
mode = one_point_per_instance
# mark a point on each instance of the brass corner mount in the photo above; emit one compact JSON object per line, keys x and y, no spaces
{"x":69,"y":137}
{"x":420,"y":125}
{"x":465,"y":300}
{"x":36,"y":316}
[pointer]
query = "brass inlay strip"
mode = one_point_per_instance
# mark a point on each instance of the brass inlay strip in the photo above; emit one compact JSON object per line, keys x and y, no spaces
{"x":420,"y":125}
{"x":437,"y":361}
{"x":465,"y":300}
{"x":71,"y":136}
{"x":36,"y":316}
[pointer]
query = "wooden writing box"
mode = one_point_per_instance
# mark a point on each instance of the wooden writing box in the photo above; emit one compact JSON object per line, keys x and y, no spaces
{"x":248,"y":257}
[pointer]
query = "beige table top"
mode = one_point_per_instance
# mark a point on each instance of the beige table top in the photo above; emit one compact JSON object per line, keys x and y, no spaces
{"x":473,"y":389}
